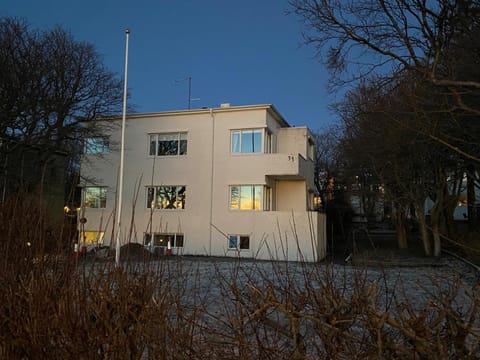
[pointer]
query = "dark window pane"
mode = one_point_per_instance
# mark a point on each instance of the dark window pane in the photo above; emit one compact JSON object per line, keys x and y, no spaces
{"x":150,"y":197}
{"x":183,"y":147}
{"x":244,"y":242}
{"x":183,"y":144}
{"x":167,"y":147}
{"x":146,"y":240}
{"x":179,"y":240}
{"x":153,"y":142}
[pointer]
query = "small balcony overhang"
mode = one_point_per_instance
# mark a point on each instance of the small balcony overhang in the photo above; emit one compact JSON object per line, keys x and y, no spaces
{"x":288,"y":167}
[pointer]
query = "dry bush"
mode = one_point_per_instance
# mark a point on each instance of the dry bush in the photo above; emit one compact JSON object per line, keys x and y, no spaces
{"x":57,"y":307}
{"x":319,"y":314}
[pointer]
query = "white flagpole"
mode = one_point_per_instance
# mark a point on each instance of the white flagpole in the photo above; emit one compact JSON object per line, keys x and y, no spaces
{"x":122,"y":155}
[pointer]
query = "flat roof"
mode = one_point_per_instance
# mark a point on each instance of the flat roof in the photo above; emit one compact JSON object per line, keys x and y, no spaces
{"x":223,"y":108}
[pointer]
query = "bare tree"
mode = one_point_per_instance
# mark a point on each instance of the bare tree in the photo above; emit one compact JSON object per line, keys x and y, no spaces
{"x":436,"y":41}
{"x":373,"y":36}
{"x":50,"y":86}
{"x":384,"y":137}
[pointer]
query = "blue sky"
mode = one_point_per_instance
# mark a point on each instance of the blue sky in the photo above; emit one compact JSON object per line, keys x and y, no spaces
{"x":241,"y":52}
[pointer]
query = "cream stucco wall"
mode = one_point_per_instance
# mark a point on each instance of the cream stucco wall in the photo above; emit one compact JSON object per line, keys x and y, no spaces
{"x":208,"y":170}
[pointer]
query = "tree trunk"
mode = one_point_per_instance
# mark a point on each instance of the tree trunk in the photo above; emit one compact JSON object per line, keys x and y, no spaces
{"x":422,"y":224}
{"x":437,"y":243}
{"x":400,"y":227}
{"x":436,"y":214}
{"x":472,"y":215}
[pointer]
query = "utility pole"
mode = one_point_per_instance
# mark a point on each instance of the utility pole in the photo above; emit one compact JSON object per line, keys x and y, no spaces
{"x":122,"y":155}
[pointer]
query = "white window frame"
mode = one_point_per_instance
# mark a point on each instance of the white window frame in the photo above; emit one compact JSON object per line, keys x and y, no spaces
{"x":238,"y":242}
{"x":163,"y":242}
{"x":238,"y":197}
{"x":97,"y":145}
{"x":154,"y":200}
{"x":100,"y":201}
{"x":179,"y":136}
{"x":239,"y":145}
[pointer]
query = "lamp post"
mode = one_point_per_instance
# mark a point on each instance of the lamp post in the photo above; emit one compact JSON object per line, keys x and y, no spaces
{"x":122,"y":155}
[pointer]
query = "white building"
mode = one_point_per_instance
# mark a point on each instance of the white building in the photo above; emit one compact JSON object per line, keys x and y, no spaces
{"x":227,"y":181}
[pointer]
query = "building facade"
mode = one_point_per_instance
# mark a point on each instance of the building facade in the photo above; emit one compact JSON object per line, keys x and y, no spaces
{"x":227,"y":181}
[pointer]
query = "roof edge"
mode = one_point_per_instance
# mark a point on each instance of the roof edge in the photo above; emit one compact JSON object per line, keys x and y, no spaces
{"x":269,"y":107}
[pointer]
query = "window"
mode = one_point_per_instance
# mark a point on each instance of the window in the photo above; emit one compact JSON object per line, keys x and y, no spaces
{"x":161,"y":239}
{"x":92,"y":237}
{"x":247,"y":141}
{"x":166,"y":197}
{"x":246,"y":197}
{"x":168,"y":144}
{"x":97,"y":145}
{"x":267,"y":202}
{"x":238,"y":242}
{"x":95,"y":197}
{"x":268,"y":142}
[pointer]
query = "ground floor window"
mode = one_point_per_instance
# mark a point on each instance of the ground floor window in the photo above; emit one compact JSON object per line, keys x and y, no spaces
{"x":92,"y":237}
{"x":161,"y":239}
{"x":238,"y":242}
{"x":166,"y":197}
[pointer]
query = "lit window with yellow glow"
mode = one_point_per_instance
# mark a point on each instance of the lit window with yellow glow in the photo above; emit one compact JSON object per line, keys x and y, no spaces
{"x":92,"y":237}
{"x":246,"y":197}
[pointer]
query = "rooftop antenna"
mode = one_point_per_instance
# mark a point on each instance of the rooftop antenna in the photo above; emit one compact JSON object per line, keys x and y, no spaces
{"x":190,"y":99}
{"x":189,"y":92}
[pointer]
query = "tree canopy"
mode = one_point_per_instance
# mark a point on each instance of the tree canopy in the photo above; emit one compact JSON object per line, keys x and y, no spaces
{"x":49,"y":85}
{"x":412,"y":101}
{"x":52,"y":87}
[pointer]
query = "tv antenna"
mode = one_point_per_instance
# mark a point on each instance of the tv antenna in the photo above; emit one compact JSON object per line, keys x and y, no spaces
{"x":190,"y":99}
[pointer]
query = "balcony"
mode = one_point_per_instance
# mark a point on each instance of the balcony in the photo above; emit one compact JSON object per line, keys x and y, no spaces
{"x":288,"y":166}
{"x":250,"y":169}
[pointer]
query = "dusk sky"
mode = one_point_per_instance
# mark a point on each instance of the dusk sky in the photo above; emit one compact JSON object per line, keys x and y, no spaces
{"x":239,"y":52}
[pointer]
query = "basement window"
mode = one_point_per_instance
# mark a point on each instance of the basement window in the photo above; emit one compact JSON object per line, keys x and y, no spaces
{"x":238,"y":242}
{"x":162,"y":239}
